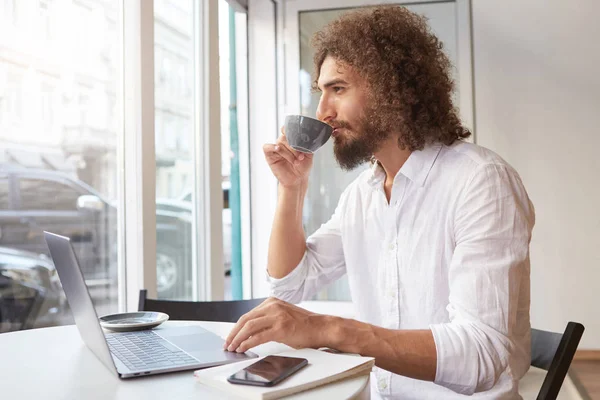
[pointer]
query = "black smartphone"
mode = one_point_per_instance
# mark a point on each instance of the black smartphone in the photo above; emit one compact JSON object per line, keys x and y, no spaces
{"x":269,"y":371}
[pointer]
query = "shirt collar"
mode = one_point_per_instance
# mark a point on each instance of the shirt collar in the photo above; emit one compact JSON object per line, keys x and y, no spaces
{"x":377,"y":173}
{"x":416,"y":168}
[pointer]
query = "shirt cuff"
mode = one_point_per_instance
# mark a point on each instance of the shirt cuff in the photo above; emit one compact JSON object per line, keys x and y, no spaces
{"x":287,"y":288}
{"x":454,"y":368}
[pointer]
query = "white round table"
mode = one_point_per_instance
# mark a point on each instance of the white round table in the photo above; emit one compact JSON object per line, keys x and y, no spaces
{"x":54,"y":363}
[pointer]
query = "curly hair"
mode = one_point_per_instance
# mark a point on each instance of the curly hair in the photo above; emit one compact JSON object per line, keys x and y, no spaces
{"x":407,"y":72}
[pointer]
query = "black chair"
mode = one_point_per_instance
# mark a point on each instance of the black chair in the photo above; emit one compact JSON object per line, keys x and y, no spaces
{"x":20,"y":304}
{"x":220,"y":311}
{"x":554,"y":352}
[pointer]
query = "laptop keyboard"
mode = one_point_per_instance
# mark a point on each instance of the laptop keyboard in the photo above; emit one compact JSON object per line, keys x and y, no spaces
{"x":146,"y":350}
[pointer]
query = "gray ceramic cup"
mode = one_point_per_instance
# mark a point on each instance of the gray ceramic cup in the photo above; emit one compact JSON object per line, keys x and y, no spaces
{"x":306,"y":134}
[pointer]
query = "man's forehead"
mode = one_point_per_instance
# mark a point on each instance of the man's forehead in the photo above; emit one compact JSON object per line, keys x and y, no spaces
{"x":332,"y":69}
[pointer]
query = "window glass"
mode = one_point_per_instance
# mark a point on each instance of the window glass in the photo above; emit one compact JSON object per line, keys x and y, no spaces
{"x":174,"y":104}
{"x":4,"y":203}
{"x":47,"y":195}
{"x":175,"y":77}
{"x":59,"y":86}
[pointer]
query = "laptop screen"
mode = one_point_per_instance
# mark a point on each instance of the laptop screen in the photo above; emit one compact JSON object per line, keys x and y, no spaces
{"x":78,"y":297}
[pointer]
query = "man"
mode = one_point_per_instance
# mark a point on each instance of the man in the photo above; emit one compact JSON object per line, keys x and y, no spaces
{"x":434,"y":237}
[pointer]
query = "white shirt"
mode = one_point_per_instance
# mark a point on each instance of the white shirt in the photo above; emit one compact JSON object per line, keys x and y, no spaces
{"x":450,"y":252}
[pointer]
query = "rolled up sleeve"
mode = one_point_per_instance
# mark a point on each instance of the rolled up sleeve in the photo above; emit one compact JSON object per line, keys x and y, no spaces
{"x":489,"y":284}
{"x":323,"y":262}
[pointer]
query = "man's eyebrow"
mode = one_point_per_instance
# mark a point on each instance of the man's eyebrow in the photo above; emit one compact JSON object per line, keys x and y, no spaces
{"x":334,"y":82}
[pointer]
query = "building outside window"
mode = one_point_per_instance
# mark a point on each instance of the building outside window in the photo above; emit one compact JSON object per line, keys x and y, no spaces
{"x":60,"y":139}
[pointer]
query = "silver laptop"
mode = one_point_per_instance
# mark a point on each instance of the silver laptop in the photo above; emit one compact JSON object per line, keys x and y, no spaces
{"x":133,"y":354}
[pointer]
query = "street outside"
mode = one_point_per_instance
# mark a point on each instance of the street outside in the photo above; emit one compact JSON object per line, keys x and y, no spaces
{"x":105,"y":300}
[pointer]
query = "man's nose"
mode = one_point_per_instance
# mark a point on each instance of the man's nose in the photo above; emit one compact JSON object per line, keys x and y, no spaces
{"x":325,"y":110}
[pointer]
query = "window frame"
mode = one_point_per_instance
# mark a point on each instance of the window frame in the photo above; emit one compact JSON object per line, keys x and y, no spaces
{"x":207,"y":197}
{"x":264,"y":101}
{"x":137,"y":172}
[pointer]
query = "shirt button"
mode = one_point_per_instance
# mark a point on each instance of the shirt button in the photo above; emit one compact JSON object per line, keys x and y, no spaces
{"x":382,"y":385}
{"x":392,"y":246}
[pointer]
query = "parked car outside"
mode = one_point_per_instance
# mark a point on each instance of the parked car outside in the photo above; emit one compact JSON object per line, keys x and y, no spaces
{"x":30,"y":291}
{"x":35,"y":200}
{"x":183,"y":204}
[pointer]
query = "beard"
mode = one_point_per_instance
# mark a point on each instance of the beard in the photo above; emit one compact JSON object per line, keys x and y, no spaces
{"x":357,"y":144}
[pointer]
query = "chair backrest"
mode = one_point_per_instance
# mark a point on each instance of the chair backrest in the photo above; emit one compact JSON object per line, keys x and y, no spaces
{"x":554,"y":352}
{"x":221,"y":311}
{"x":20,"y":304}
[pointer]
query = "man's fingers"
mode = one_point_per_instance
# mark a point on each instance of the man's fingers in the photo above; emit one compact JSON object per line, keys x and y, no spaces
{"x":250,"y":328}
{"x":256,"y":312}
{"x":282,"y":151}
{"x":271,"y":154}
{"x":255,"y":340}
{"x":250,"y":315}
{"x":299,"y":155}
{"x":283,"y":143}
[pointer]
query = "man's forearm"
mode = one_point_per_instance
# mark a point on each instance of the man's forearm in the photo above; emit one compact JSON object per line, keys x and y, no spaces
{"x":410,"y":353}
{"x":288,"y":242}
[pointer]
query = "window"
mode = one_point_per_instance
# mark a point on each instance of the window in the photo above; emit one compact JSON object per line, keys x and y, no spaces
{"x":234,"y":133}
{"x":44,"y":18}
{"x":45,"y":130}
{"x":4,"y":193}
{"x":47,"y":195}
{"x":171,"y":185}
{"x":8,"y":12}
{"x":174,"y":48}
{"x":170,"y":135}
{"x":65,"y":120}
{"x":47,"y":105}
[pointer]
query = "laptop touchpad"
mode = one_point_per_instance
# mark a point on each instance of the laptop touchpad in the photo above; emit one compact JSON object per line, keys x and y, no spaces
{"x":205,"y":346}
{"x":197,"y":342}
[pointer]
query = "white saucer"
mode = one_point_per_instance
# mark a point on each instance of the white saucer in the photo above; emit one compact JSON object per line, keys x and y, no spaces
{"x":133,"y":321}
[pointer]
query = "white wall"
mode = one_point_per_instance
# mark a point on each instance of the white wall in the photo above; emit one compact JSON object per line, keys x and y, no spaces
{"x":537,"y":103}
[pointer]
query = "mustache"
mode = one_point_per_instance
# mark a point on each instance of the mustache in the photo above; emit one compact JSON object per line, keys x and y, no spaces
{"x":335,"y":124}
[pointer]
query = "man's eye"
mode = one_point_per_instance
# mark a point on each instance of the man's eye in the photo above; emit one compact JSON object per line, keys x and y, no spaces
{"x":337,"y":89}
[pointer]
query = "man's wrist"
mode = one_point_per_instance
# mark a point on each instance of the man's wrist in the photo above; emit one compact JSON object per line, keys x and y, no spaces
{"x":348,"y":335}
{"x":328,"y":331}
{"x":293,"y":195}
{"x":296,"y":189}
